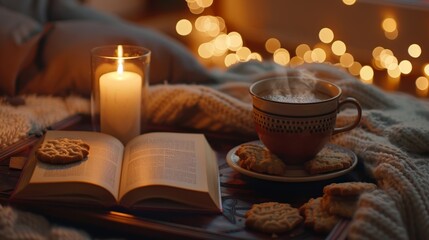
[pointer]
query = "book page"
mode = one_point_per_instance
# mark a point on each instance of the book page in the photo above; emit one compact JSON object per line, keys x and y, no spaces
{"x":102,"y":166}
{"x":170,"y":159}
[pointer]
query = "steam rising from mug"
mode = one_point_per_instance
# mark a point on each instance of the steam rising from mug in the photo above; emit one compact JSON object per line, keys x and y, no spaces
{"x":293,"y":90}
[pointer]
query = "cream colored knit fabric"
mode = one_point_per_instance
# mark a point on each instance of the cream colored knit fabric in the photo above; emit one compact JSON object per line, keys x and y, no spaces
{"x":38,"y":112}
{"x":18,"y":225}
{"x":392,"y":141}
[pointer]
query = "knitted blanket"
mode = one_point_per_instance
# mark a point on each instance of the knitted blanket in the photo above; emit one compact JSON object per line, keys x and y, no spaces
{"x":392,"y":141}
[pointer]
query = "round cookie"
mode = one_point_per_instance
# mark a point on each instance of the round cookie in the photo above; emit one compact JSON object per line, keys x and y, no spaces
{"x":348,"y":188}
{"x":259,"y":159}
{"x":62,"y":151}
{"x":316,"y":217}
{"x":273,"y":217}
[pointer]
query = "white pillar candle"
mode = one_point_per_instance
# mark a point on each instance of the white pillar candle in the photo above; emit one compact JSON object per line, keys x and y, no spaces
{"x":120,"y":100}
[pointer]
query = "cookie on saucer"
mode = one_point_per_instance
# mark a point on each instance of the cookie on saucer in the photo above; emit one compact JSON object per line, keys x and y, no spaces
{"x":328,"y":160}
{"x":259,"y":159}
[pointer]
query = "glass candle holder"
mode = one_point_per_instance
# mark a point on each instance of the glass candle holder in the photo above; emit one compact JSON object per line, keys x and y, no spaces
{"x":120,"y":78}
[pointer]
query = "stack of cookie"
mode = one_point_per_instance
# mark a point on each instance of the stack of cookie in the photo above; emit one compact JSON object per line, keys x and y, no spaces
{"x":339,"y":201}
{"x":341,"y":198}
{"x":320,"y":214}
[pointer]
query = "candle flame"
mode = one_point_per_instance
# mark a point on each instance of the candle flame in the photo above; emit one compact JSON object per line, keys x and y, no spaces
{"x":120,"y":50}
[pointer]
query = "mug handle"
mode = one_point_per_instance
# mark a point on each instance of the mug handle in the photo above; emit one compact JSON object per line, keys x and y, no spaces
{"x":357,"y":120}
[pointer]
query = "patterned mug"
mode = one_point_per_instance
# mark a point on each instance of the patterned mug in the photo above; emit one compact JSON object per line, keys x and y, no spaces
{"x":295,"y":117}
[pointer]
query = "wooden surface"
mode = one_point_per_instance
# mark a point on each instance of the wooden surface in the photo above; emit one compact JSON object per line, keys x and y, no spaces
{"x":239,"y":192}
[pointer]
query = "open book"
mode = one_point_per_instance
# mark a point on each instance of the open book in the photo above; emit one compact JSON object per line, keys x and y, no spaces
{"x":159,"y":170}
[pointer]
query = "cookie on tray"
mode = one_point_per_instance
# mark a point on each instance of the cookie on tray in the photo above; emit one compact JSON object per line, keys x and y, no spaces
{"x":273,"y":217}
{"x":341,"y":198}
{"x":62,"y":151}
{"x":259,"y":159}
{"x":344,"y":207}
{"x":348,"y":188}
{"x":328,"y":160}
{"x":316,"y":217}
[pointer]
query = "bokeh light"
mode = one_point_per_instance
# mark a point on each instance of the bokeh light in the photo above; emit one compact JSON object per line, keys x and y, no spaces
{"x":422,"y":83}
{"x":405,"y":66}
{"x":184,"y":27}
{"x":231,"y":59}
{"x":326,"y":35}
{"x":414,"y":50}
{"x":301,"y":49}
{"x":281,"y":56}
{"x":366,"y":74}
{"x":426,"y":69}
{"x":389,"y":25}
{"x":346,"y":60}
{"x":354,"y":69}
{"x":272,"y":44}
{"x":338,"y":47}
{"x":217,"y":46}
{"x":349,"y":2}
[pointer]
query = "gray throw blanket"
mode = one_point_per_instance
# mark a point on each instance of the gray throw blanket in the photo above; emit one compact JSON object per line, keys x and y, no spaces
{"x":392,"y":141}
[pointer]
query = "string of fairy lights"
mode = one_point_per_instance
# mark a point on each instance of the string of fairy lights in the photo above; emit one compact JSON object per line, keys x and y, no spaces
{"x":221,"y":47}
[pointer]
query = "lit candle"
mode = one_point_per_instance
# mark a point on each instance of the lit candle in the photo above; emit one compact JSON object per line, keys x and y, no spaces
{"x":120,"y":100}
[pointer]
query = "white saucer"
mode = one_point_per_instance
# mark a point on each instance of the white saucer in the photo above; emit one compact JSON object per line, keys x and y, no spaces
{"x":294,"y":173}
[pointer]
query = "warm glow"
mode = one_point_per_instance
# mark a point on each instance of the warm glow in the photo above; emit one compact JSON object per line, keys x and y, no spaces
{"x":235,"y":41}
{"x":194,"y":7}
{"x":387,"y":58}
{"x":326,"y":35}
{"x":394,"y":73}
{"x":206,"y":50}
{"x":426,"y":69}
{"x":243,"y":53}
{"x":391,"y":35}
{"x":301,"y":50}
{"x":231,"y":59}
{"x":422,"y":83}
{"x":208,"y":24}
{"x":414,"y":50}
{"x":354,"y":69}
{"x":349,"y":2}
{"x":296,"y":61}
{"x":183,"y":27}
{"x":204,"y":3}
{"x":120,"y":50}
{"x":272,"y":44}
{"x":389,"y":25}
{"x":281,"y":56}
{"x":254,"y":56}
{"x":121,"y":214}
{"x":376,"y":52}
{"x":346,"y":60}
{"x":221,"y":42}
{"x":318,"y":55}
{"x":366,"y":74}
{"x":307,"y":56}
{"x":338,"y":48}
{"x":405,"y":66}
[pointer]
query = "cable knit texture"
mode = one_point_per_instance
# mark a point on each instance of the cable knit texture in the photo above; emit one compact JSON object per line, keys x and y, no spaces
{"x":392,"y":140}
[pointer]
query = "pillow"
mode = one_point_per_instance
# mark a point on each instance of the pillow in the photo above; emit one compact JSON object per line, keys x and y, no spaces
{"x":19,"y":37}
{"x":37,"y":10}
{"x":65,"y":64}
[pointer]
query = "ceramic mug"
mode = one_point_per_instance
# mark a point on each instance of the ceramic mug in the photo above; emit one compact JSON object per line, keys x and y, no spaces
{"x":295,"y":117}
